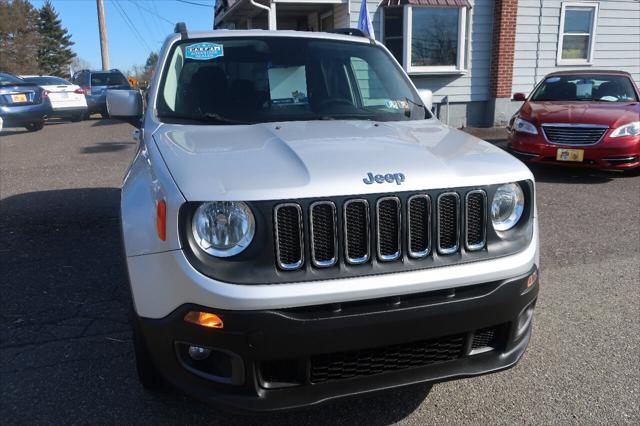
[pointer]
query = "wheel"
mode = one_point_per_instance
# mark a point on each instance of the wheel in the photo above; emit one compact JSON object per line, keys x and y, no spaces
{"x":77,"y":118}
{"x":34,"y":127}
{"x":148,"y":374}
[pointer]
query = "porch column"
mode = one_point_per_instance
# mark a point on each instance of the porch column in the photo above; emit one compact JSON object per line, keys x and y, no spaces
{"x":502,"y":56}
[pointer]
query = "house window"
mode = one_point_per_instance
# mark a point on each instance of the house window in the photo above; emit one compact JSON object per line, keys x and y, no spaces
{"x":577,"y":33}
{"x":427,"y":39}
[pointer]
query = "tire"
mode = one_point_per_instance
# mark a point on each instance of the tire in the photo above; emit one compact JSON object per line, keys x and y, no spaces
{"x":148,"y":374}
{"x":34,"y":127}
{"x":77,"y":118}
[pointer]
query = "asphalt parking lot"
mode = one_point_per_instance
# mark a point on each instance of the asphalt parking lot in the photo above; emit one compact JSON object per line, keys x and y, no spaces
{"x":65,"y":346}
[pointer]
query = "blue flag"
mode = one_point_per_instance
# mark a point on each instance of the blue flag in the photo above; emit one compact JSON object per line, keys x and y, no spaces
{"x":364,"y":20}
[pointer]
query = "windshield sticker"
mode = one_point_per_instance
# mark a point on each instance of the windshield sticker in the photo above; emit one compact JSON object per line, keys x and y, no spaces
{"x":204,"y":51}
{"x":552,"y":80}
{"x":388,"y":103}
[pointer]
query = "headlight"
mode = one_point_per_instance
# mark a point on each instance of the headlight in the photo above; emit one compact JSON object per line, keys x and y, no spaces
{"x":507,"y":206}
{"x":631,"y":129}
{"x":223,"y":228}
{"x":521,"y":125}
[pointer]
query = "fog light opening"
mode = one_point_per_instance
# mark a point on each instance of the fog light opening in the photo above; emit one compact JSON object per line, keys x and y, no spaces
{"x":524,"y":320}
{"x":199,"y":353}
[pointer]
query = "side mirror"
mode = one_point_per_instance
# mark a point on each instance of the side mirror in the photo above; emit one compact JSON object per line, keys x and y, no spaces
{"x":519,"y":97}
{"x":426,"y":96}
{"x":125,"y":105}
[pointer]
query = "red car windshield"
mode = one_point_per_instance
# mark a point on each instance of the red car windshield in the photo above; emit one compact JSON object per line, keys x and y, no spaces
{"x":600,"y":88}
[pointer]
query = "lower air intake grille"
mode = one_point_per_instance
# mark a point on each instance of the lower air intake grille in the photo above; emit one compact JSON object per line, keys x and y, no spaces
{"x":476,"y":208}
{"x":367,"y":362}
{"x":485,"y":338}
{"x":388,"y":228}
{"x":419,"y":225}
{"x":288,"y":229}
{"x":356,"y":225}
{"x":323,"y":234}
{"x":448,"y":222}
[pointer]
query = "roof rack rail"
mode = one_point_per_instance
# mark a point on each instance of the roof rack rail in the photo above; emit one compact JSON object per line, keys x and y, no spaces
{"x":349,"y":31}
{"x":181,"y":28}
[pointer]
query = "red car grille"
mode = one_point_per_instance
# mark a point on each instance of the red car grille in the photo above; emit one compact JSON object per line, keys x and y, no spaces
{"x":574,"y":135}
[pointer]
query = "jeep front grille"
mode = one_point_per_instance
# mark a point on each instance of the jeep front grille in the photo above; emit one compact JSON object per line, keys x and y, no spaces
{"x":475,"y":218}
{"x":419,"y":225}
{"x":289,"y":238}
{"x":345,"y":231}
{"x":324,"y":241}
{"x":448,"y":223}
{"x":388,"y":235}
{"x":356,"y":231}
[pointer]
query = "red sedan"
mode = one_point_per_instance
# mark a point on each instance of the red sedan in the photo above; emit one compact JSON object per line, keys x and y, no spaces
{"x":579,"y":118}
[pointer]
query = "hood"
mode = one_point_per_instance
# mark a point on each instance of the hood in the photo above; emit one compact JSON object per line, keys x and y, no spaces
{"x":325,"y":158}
{"x":609,"y":114}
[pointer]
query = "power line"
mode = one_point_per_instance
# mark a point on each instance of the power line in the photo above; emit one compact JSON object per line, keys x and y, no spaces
{"x":131,"y":26}
{"x":194,"y":3}
{"x":156,"y":14}
{"x":144,"y":20}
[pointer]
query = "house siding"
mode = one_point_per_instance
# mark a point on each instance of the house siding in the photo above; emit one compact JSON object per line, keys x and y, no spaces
{"x":468,"y":94}
{"x":617,"y":42}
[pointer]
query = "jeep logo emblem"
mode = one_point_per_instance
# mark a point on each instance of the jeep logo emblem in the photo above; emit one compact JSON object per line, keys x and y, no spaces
{"x":398,"y":178}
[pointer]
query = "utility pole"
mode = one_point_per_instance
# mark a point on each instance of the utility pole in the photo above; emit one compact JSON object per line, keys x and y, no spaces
{"x":104,"y":49}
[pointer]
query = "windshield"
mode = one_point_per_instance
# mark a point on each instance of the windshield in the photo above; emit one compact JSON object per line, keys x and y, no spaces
{"x":602,"y":88}
{"x":47,"y":81}
{"x":108,"y":79}
{"x":262,"y":79}
{"x":6,"y":79}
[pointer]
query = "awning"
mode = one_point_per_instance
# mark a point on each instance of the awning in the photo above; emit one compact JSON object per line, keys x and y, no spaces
{"x":436,"y":3}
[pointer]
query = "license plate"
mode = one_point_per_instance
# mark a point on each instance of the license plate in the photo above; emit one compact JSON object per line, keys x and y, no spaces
{"x":21,"y":97}
{"x":62,"y":95}
{"x":570,"y":154}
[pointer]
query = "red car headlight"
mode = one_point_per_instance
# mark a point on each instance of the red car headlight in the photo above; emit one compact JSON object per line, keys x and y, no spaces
{"x":631,"y":129}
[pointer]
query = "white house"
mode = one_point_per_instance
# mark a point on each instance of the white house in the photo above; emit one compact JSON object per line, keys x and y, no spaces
{"x":473,"y":54}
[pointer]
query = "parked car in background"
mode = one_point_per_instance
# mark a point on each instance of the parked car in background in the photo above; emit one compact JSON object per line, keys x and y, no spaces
{"x":66,"y":99}
{"x":22,"y":104}
{"x":579,"y":118}
{"x":95,"y":85}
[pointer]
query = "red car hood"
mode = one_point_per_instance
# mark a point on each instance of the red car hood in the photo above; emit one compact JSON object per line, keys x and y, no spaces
{"x":610,"y":114}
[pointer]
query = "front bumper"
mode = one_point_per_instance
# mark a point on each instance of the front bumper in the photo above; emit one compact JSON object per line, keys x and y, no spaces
{"x":619,"y":153}
{"x":288,"y":358}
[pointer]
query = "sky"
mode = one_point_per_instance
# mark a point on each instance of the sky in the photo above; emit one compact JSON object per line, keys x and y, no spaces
{"x":153,"y":20}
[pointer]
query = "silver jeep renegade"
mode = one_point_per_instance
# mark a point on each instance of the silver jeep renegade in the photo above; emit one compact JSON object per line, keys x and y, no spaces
{"x":298,"y":227}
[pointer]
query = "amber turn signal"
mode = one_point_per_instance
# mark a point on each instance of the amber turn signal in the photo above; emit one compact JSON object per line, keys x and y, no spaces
{"x":205,"y":319}
{"x":532,"y":279}
{"x":161,"y":219}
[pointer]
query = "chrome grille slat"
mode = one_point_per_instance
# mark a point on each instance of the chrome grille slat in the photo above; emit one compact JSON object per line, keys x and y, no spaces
{"x":324,"y":238}
{"x":475,"y":219}
{"x":448,"y":222}
{"x":356,"y":231}
{"x":289,"y":238}
{"x":419,"y":226}
{"x":388,"y":228}
{"x":568,"y":134}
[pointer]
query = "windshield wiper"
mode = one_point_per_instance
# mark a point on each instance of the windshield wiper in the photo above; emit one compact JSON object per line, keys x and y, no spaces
{"x":207,"y":117}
